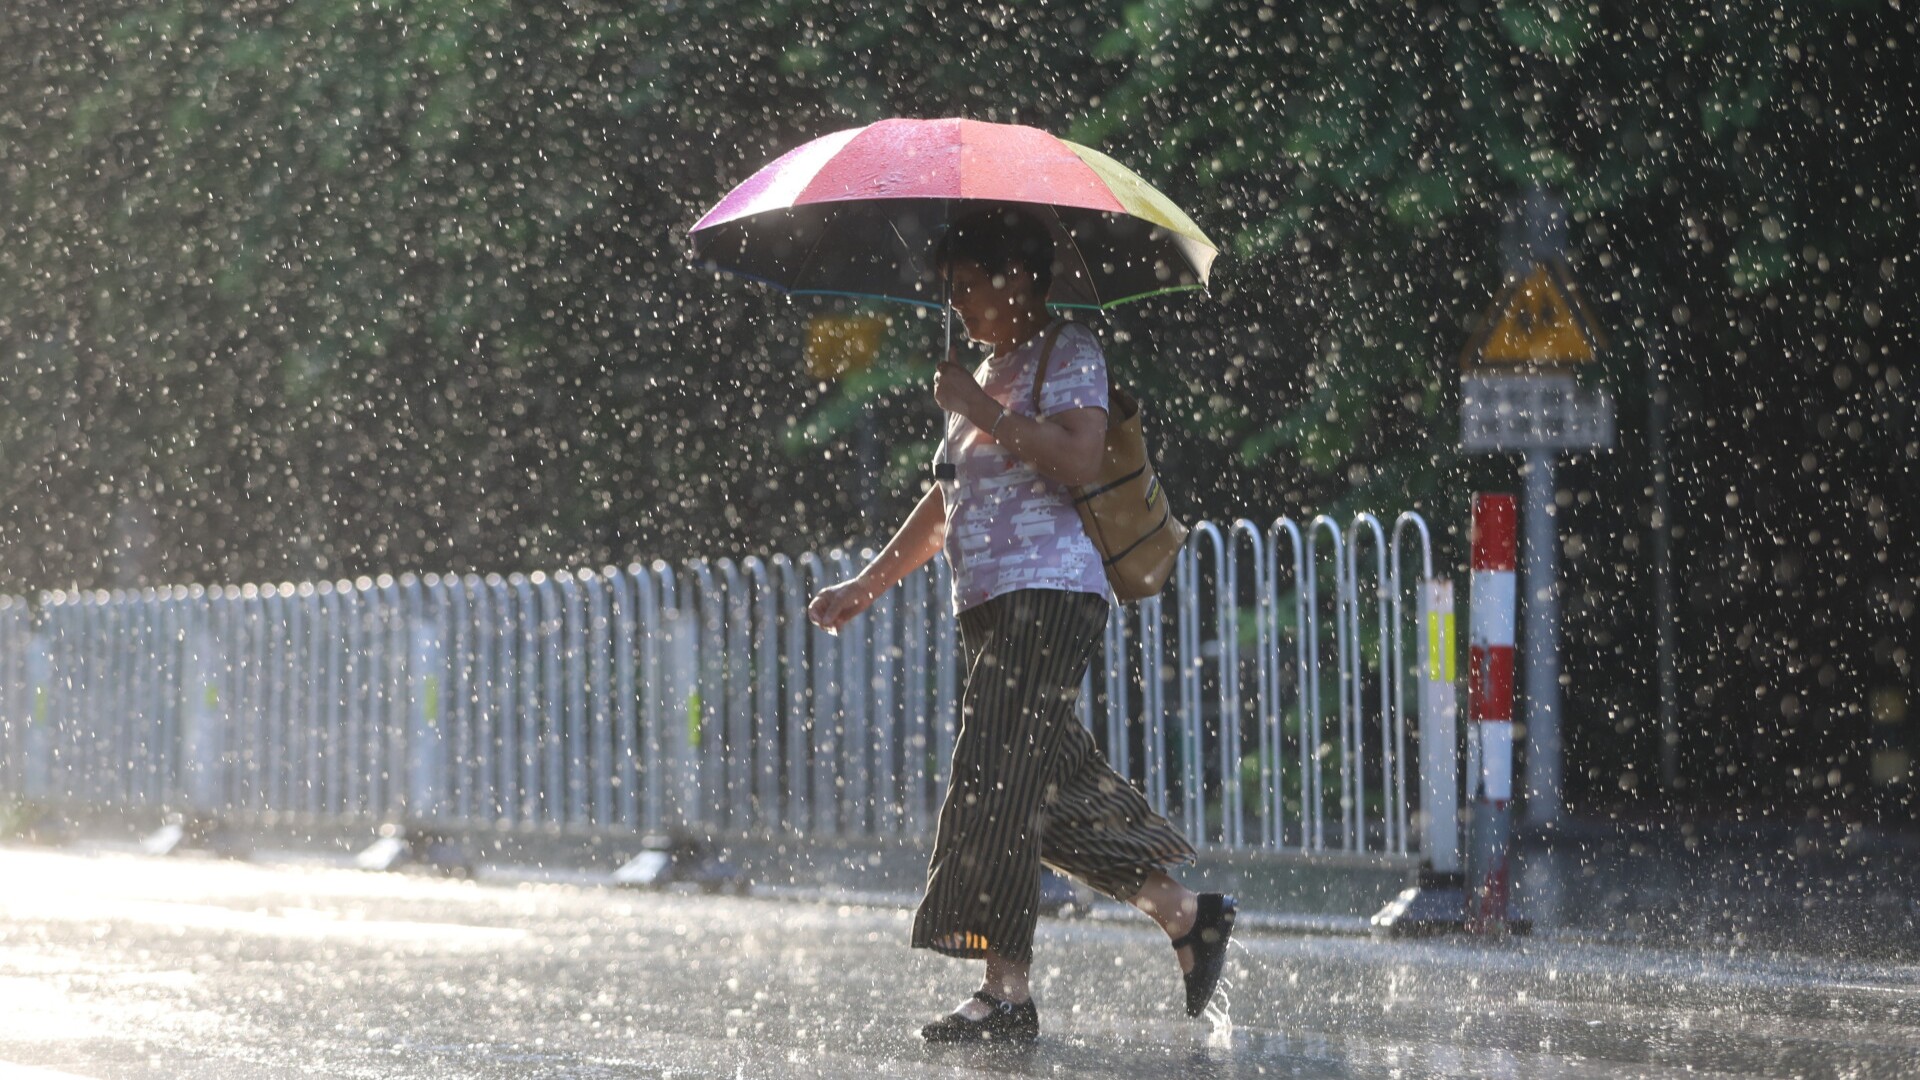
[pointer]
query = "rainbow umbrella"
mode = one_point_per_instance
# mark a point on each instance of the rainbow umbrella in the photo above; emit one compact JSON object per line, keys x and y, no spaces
{"x":857,"y":213}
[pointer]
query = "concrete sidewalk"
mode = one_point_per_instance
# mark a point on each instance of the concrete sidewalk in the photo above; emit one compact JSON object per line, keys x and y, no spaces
{"x":1813,"y":888}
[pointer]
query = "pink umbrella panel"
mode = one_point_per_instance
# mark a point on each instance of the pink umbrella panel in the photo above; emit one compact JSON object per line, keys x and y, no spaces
{"x":857,"y":213}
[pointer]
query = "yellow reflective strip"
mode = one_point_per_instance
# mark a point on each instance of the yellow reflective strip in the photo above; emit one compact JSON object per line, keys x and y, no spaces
{"x":1433,"y":646}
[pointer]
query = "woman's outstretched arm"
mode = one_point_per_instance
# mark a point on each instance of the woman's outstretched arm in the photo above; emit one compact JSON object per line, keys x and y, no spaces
{"x":918,"y":539}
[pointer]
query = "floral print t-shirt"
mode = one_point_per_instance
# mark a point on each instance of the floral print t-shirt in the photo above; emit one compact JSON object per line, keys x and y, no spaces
{"x":1008,"y":527}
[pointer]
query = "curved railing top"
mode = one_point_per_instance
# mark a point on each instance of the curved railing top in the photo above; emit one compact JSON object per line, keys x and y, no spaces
{"x":818,"y":564}
{"x":1204,"y":529}
{"x":1324,"y":523}
{"x":1406,"y":518}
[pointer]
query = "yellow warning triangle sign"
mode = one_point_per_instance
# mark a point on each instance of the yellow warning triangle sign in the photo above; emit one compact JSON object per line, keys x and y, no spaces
{"x":1538,"y":319}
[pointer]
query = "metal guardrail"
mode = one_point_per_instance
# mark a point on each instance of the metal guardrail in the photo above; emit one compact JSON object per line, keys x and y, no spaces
{"x":659,"y":697}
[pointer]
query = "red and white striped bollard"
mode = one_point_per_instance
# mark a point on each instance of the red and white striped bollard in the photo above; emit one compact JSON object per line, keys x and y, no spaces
{"x":1490,"y":665}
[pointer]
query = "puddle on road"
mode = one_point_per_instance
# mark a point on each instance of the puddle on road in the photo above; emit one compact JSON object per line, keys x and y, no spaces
{"x":33,"y":1007}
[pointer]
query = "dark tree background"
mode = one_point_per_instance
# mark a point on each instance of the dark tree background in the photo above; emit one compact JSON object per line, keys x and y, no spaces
{"x":322,"y":288}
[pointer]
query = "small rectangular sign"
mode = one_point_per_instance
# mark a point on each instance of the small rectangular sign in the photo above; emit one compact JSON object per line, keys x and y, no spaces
{"x":1528,"y":412}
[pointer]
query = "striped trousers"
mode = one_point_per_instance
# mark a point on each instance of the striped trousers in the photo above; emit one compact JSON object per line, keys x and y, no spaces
{"x":1027,"y":784}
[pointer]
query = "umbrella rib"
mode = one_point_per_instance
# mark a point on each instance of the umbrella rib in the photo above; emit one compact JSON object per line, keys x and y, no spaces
{"x":800,"y":274}
{"x":894,"y":227}
{"x":1091,"y":283}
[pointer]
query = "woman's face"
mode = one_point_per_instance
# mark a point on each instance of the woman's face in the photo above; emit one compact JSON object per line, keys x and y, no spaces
{"x":996,"y":307}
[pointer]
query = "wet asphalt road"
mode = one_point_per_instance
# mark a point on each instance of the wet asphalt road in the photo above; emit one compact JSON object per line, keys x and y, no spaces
{"x":120,"y":966}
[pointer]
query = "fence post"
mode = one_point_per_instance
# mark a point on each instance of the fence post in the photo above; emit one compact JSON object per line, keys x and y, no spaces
{"x":1437,"y":904}
{"x":428,"y":635}
{"x":1302,"y":673}
{"x":38,"y":764}
{"x":523,"y":745}
{"x":488,"y":678}
{"x":795,"y":810}
{"x":1191,"y":752}
{"x":203,"y":735}
{"x":680,"y":657}
{"x":765,"y":738}
{"x":1265,"y":683}
{"x":1439,"y":736}
{"x":651,"y":771}
{"x":1392,"y":794}
{"x":425,"y":752}
{"x":574,"y":734}
{"x":626,"y":624}
{"x":734,"y":734}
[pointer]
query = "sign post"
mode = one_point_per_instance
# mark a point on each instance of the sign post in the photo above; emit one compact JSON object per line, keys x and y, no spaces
{"x":1519,"y":393}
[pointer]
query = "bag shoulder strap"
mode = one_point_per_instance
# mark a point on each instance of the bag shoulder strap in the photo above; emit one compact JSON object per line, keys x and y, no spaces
{"x":1046,"y":353}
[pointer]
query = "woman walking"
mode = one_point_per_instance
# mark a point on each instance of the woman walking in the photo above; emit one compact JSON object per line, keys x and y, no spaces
{"x":1027,"y":784}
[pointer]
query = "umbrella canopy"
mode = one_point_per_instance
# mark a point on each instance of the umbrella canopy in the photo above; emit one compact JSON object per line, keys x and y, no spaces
{"x":857,"y":213}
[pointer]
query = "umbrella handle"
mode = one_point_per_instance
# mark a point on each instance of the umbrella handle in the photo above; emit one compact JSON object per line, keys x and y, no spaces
{"x":946,"y":306}
{"x":946,"y":281}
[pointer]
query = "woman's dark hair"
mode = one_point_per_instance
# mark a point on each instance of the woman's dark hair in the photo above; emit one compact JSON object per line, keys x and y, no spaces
{"x":996,"y":239}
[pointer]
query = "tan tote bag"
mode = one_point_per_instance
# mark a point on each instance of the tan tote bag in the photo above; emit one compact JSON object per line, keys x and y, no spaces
{"x":1125,"y":509}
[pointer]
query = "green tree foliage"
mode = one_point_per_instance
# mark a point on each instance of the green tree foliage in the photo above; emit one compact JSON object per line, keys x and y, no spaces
{"x":1740,"y":183}
{"x":334,"y":287}
{"x":341,"y":286}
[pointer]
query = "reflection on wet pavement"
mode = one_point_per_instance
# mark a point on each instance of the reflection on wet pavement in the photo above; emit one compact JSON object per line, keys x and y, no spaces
{"x":125,"y":967}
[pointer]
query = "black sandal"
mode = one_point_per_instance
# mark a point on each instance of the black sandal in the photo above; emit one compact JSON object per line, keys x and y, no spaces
{"x":1006,"y":1023}
{"x":1212,"y":926}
